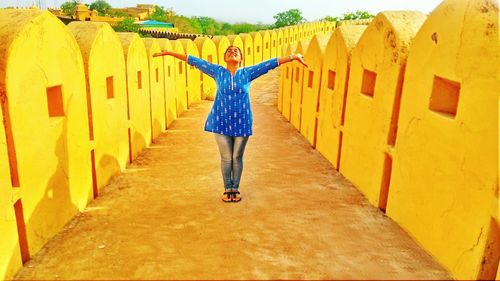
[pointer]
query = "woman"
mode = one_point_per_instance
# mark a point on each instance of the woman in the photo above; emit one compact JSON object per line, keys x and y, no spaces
{"x":230,"y":118}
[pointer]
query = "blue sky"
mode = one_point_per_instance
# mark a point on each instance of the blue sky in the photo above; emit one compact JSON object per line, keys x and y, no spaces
{"x":261,"y":10}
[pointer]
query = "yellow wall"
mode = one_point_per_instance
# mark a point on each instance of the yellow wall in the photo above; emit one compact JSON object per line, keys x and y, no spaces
{"x":208,"y":52}
{"x":288,"y":72}
{"x":333,"y":91}
{"x":136,"y":59}
{"x":156,"y":87}
{"x":376,"y":75}
{"x":311,"y":86}
{"x":257,"y":46}
{"x":297,"y":84}
{"x":266,"y":45}
{"x":107,"y":98}
{"x":221,"y":43}
{"x":180,"y":78}
{"x":193,"y":74}
{"x":280,"y":43}
{"x":169,"y":82}
{"x":51,"y":152}
{"x":10,"y":253}
{"x":444,"y":188}
{"x":248,"y":49}
{"x":273,"y":43}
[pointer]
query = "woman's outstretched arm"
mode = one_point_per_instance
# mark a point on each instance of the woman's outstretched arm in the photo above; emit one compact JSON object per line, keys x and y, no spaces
{"x":290,"y":58}
{"x":170,"y":53}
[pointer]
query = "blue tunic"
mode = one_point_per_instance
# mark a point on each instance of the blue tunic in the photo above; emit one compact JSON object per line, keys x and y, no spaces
{"x":231,"y":114}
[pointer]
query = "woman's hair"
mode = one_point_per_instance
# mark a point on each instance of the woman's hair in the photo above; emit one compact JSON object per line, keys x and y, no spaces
{"x":239,"y":50}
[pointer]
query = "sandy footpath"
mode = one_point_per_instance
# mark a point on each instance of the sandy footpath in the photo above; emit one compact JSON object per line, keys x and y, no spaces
{"x":299,"y":219}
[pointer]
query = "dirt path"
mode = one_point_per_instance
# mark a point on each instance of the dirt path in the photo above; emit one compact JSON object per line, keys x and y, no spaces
{"x":299,"y":219}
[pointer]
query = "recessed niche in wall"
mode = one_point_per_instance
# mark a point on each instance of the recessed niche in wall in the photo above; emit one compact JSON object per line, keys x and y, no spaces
{"x":331,"y":79}
{"x":368,"y":83}
{"x":55,"y":101}
{"x":444,"y":97}
{"x":110,"y":88}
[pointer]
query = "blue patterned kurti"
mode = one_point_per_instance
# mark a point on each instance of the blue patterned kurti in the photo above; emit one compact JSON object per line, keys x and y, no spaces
{"x":231,"y":114}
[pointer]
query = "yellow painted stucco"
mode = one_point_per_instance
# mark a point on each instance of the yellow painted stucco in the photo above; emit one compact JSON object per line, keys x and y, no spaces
{"x":169,"y":82}
{"x":266,"y":45}
{"x":444,"y":183}
{"x":273,"y":43}
{"x":279,"y":42}
{"x":288,"y":72}
{"x":257,"y":46}
{"x":208,"y":52}
{"x":106,"y":94}
{"x":139,"y":98}
{"x":311,"y":86}
{"x":180,"y":78}
{"x":336,"y":65}
{"x":156,"y":87}
{"x":10,"y":252}
{"x":49,"y":148}
{"x":248,"y":49}
{"x":193,"y":75}
{"x":297,"y":84}
{"x":376,"y":72}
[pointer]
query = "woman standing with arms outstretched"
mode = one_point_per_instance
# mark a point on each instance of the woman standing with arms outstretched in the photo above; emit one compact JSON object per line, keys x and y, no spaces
{"x":230,"y":118}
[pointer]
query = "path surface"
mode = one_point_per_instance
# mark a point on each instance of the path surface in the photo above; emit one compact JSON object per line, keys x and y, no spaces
{"x":299,"y":219}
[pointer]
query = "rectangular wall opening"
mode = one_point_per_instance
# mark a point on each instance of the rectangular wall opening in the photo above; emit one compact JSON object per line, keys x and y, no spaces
{"x":331,"y":79}
{"x":157,"y":74}
{"x":249,"y":51}
{"x":491,"y":256}
{"x":310,"y":79}
{"x":55,"y":101}
{"x":21,"y":231}
{"x":444,"y":96}
{"x":110,"y":88}
{"x":139,"y":79}
{"x":368,"y":83}
{"x":258,"y":49}
{"x":386,"y":181}
{"x":169,"y":74}
{"x":180,"y":67}
{"x":209,"y":58}
{"x":267,"y":45}
{"x":297,"y":73}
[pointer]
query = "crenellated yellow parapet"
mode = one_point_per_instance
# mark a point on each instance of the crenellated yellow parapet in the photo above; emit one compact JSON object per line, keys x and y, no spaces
{"x":45,"y":132}
{"x":106,"y":90}
{"x":444,"y":184}
{"x":139,"y":109}
{"x":372,"y":105}
{"x":169,"y":82}
{"x":208,"y":52}
{"x":156,"y":87}
{"x":333,"y":92}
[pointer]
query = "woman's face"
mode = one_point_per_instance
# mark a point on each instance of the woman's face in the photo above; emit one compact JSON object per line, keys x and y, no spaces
{"x":232,"y":55}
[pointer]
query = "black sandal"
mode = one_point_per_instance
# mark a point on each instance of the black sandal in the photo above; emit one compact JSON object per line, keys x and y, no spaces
{"x":235,"y":196}
{"x":227,"y":196}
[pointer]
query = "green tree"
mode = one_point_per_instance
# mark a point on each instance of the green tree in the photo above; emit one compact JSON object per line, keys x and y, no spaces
{"x":69,"y":7}
{"x":159,"y":14}
{"x":127,"y":25}
{"x":207,"y":25}
{"x":101,"y":6}
{"x":290,"y":17}
{"x":351,"y":16}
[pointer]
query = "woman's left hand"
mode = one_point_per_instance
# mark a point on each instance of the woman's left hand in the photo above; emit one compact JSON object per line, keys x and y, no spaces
{"x":300,"y":58}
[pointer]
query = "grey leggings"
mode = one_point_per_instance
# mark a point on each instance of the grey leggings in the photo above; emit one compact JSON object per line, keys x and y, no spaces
{"x":231,"y":152}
